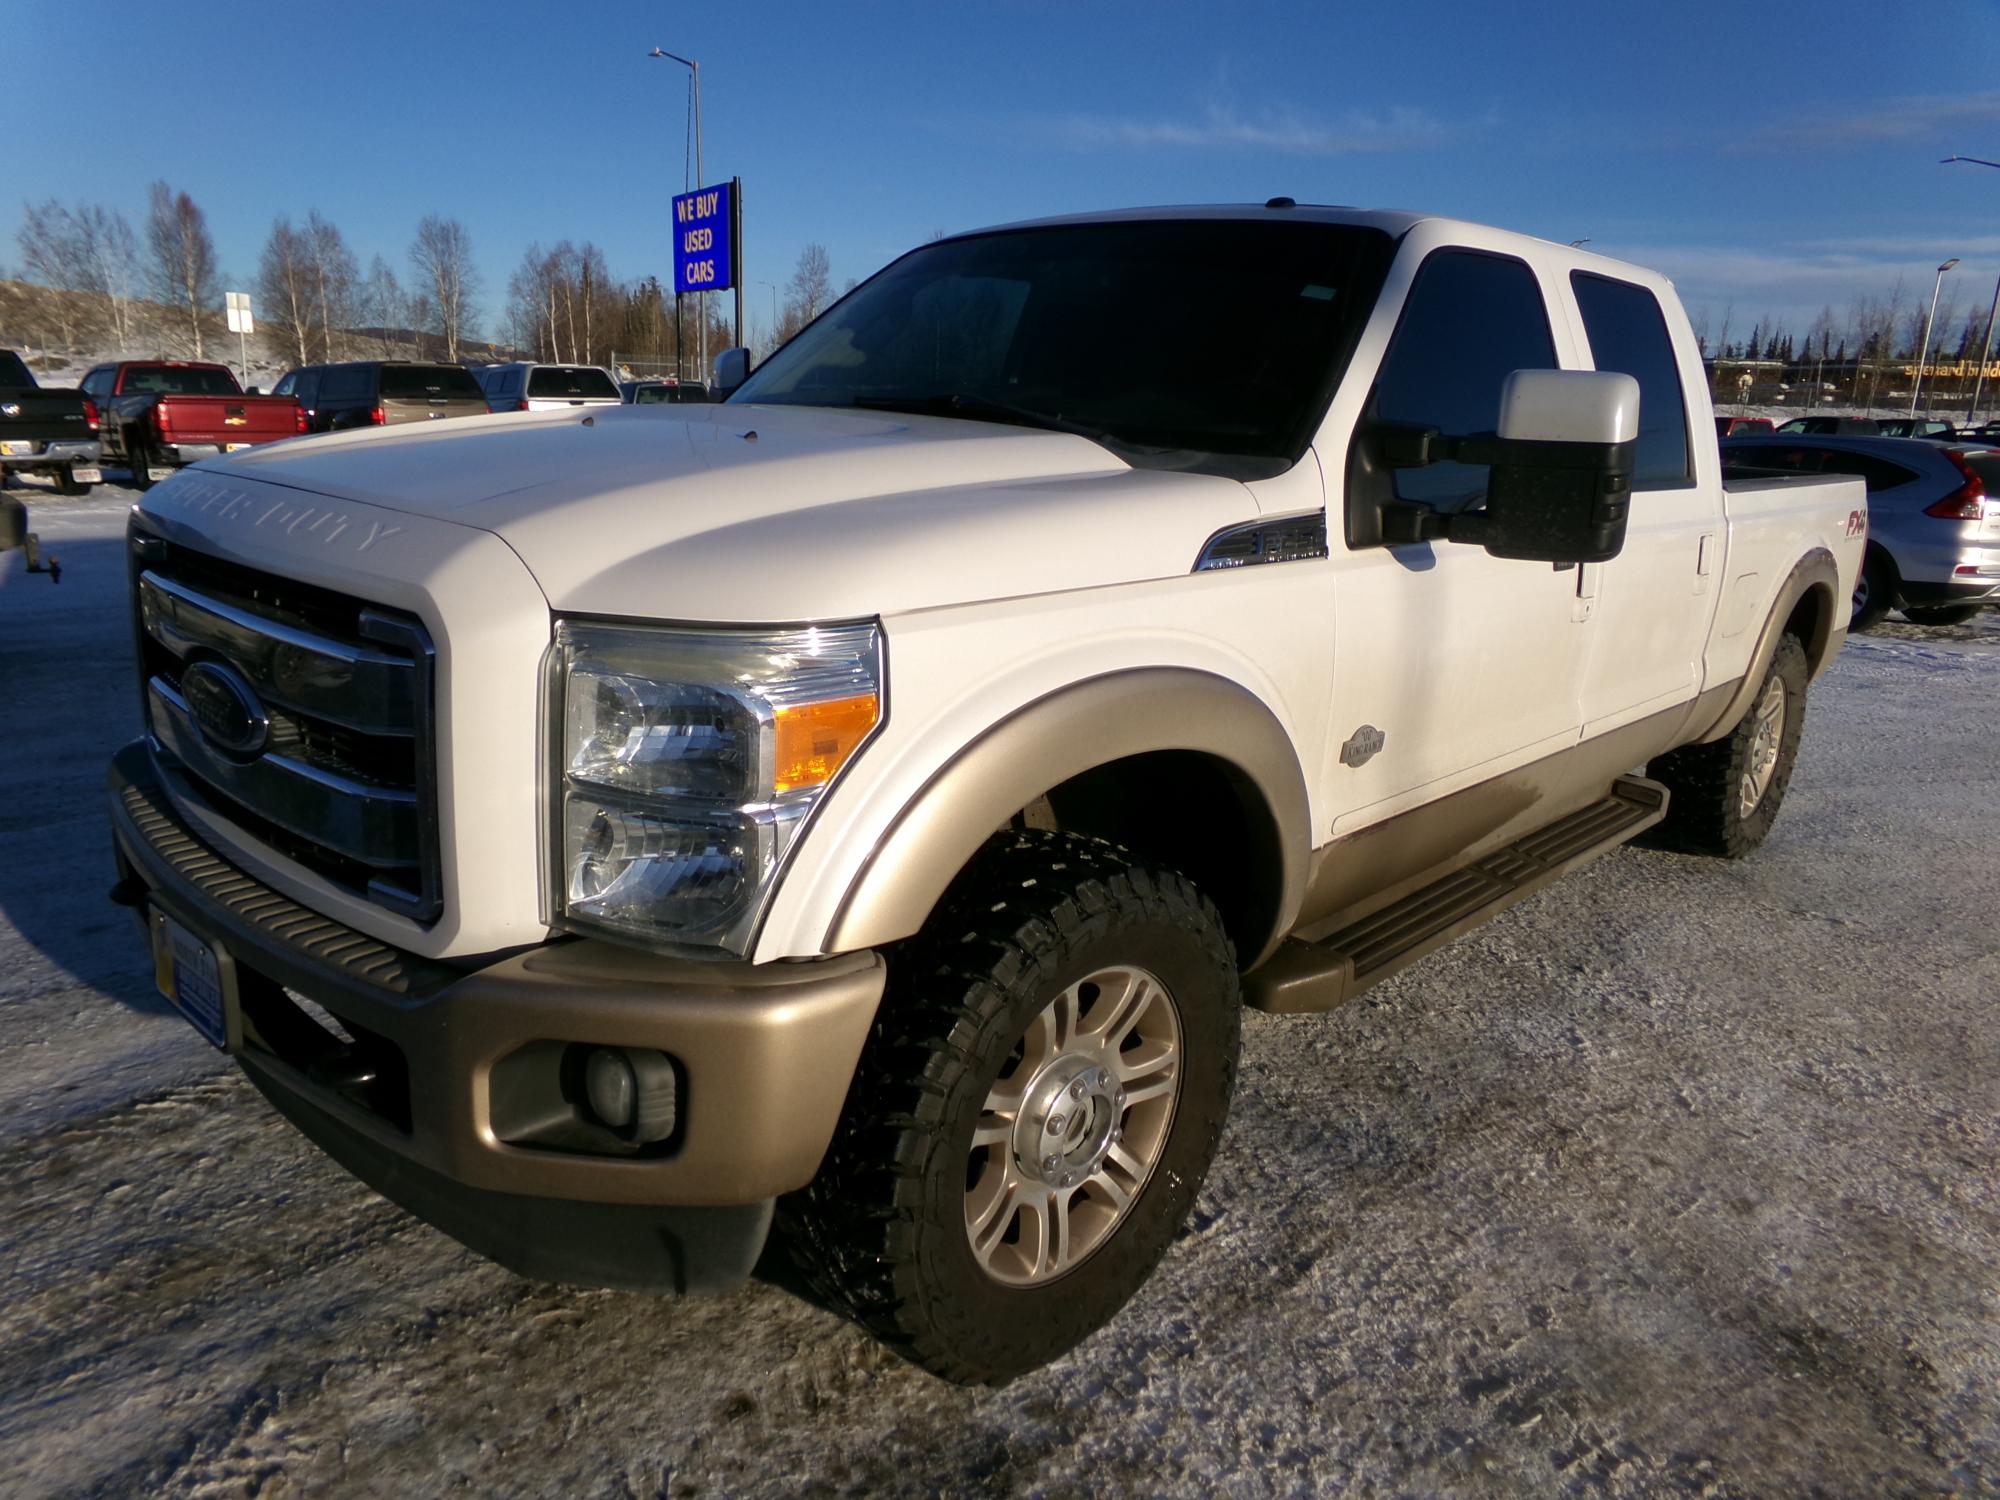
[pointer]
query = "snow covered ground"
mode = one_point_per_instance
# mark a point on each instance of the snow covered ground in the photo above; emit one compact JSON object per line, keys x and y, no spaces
{"x":1682,"y":1178}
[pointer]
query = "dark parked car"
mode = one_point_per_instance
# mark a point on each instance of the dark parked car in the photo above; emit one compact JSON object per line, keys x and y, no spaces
{"x":655,"y":392}
{"x":1834,"y":426}
{"x":382,"y":393}
{"x":1740,"y":426}
{"x":1933,"y":518}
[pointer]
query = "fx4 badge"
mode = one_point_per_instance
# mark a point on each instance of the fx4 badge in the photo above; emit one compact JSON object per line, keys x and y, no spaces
{"x":1857,"y":522}
{"x":1362,"y":745}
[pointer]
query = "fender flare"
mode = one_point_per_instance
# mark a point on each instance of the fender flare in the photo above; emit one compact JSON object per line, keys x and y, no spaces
{"x":1817,"y":569}
{"x":1043,"y":744}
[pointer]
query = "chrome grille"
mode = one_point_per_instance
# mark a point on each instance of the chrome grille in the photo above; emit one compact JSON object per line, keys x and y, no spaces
{"x":344,"y":778}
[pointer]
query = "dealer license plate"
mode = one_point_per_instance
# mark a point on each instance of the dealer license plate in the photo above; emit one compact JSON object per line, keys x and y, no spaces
{"x":236,"y":447}
{"x":185,"y":969}
{"x":17,"y":450}
{"x":86,"y":476}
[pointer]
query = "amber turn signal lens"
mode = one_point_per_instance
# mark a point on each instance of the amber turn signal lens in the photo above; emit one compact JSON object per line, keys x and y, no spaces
{"x":814,"y":740}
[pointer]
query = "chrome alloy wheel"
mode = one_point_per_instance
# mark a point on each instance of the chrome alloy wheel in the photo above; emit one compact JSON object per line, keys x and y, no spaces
{"x":1073,"y":1127}
{"x":1765,"y":741}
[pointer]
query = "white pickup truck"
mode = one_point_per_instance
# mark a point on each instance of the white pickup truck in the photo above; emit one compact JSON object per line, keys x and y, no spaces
{"x":864,"y":807}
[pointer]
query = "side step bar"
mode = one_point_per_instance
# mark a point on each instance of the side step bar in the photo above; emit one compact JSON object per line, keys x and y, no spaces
{"x":1302,"y":976}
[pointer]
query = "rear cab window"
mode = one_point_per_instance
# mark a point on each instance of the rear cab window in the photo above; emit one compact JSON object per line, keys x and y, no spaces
{"x":1628,"y":334}
{"x":345,"y":383}
{"x":571,"y":383}
{"x":425,"y":382}
{"x":179,"y":380}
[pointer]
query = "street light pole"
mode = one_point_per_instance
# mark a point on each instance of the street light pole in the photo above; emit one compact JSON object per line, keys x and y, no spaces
{"x":1986,"y":349}
{"x":700,"y":180}
{"x":1985,"y":353}
{"x":1924,"y":344}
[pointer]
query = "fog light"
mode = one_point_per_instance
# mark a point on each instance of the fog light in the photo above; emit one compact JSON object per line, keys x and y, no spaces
{"x":632,"y":1091}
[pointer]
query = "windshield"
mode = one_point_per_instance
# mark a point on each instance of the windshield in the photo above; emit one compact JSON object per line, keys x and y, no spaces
{"x":1211,"y":345}
{"x":421,"y":382}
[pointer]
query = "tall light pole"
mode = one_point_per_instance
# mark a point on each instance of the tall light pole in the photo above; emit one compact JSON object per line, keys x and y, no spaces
{"x":1985,"y":353}
{"x":1985,"y":349}
{"x":1924,"y":344}
{"x":700,"y":180}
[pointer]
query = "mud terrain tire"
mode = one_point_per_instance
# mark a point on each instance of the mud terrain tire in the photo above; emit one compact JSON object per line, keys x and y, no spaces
{"x":1712,"y":809}
{"x":885,"y":1233}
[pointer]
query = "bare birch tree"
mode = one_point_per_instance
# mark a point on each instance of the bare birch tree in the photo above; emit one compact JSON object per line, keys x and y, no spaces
{"x":54,"y":253}
{"x":442,"y":254}
{"x":382,"y":306}
{"x":334,"y":275}
{"x":284,"y":286}
{"x":809,"y":291}
{"x":183,"y":259}
{"x":111,"y":253}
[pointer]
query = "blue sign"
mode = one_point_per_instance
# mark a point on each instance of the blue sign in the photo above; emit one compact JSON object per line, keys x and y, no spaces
{"x":703,"y":259}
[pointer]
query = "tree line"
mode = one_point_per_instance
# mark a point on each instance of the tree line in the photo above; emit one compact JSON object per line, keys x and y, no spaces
{"x":95,"y":279}
{"x":160,"y":290}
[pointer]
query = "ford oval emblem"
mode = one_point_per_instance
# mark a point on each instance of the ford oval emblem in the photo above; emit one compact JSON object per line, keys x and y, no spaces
{"x":226,"y":709}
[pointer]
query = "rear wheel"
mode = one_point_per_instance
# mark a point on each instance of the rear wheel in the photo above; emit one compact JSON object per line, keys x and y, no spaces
{"x":142,"y":466}
{"x":1941,"y":614}
{"x":1874,"y":590}
{"x":1034,"y":1112}
{"x":1726,"y":794}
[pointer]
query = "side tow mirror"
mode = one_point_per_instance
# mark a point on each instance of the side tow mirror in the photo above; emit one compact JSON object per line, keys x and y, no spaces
{"x":732,"y":368}
{"x":1559,"y":487}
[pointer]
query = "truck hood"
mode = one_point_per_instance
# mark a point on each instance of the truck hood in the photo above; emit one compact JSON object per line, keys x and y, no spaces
{"x":768,"y":513}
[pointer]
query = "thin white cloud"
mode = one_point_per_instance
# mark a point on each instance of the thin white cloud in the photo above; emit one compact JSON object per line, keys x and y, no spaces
{"x":1222,"y":128}
{"x":1933,"y":117}
{"x":1792,"y":282}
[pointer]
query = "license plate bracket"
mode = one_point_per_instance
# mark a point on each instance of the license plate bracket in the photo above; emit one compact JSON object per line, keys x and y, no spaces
{"x":198,"y":978}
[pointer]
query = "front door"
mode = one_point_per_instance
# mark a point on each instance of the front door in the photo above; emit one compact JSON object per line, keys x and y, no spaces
{"x":1462,"y":665}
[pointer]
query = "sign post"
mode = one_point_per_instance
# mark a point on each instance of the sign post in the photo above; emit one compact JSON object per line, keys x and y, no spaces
{"x":707,"y":244}
{"x":240,"y":324}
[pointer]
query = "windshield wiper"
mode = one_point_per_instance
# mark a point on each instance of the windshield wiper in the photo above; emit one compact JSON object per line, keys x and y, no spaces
{"x":980,"y":409}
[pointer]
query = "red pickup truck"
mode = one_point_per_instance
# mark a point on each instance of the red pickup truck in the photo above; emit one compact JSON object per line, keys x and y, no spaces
{"x":161,"y":413}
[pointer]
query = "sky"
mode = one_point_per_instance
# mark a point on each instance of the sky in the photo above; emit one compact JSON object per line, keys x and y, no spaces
{"x":1772,"y":160}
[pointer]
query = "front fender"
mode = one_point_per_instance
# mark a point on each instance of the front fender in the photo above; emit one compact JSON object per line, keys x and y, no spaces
{"x":1043,"y":744}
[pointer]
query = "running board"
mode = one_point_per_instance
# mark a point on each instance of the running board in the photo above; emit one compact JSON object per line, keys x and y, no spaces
{"x":1303,"y":976}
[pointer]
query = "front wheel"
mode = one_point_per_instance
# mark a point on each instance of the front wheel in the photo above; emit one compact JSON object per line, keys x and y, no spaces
{"x":1035,"y":1110}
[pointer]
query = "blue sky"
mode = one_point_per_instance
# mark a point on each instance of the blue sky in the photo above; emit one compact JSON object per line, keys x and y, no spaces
{"x":1771,"y":159}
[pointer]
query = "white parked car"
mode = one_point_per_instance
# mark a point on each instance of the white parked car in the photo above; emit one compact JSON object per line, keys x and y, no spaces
{"x":867,"y":804}
{"x":523,"y":386}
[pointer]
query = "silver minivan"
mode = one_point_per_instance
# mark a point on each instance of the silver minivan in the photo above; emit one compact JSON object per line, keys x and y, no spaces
{"x":524,"y":386}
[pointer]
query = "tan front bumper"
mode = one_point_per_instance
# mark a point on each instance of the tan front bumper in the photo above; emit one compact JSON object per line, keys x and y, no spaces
{"x":766,"y":1052}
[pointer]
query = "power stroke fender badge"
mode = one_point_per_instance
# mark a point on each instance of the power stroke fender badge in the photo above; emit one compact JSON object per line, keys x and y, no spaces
{"x":1362,"y":745}
{"x":226,"y":709}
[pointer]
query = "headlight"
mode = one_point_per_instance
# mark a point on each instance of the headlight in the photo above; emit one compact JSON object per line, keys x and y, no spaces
{"x":688,"y":763}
